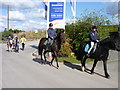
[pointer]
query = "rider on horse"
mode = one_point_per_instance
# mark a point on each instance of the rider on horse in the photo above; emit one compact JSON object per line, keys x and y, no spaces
{"x":51,"y":34}
{"x":9,"y":39}
{"x":94,"y":39}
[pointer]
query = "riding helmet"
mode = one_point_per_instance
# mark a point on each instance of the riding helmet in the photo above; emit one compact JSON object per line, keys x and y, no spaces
{"x":50,"y":24}
{"x":94,"y":27}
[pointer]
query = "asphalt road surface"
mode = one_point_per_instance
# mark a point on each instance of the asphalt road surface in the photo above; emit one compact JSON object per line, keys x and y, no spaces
{"x":22,"y":70}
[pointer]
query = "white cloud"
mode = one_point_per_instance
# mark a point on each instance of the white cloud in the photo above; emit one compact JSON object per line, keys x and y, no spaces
{"x":36,"y":13}
{"x":29,"y":25}
{"x":17,"y":16}
{"x":2,"y":24}
{"x":20,"y":4}
{"x":69,"y":21}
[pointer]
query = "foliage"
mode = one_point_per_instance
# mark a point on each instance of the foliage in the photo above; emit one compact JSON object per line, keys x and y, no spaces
{"x":105,"y":30}
{"x":66,"y":49}
{"x":78,"y":33}
{"x":95,"y":17}
{"x":31,"y":35}
{"x":6,"y":33}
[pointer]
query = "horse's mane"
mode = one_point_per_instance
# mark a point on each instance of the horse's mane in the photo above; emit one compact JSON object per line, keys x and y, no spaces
{"x":105,"y":41}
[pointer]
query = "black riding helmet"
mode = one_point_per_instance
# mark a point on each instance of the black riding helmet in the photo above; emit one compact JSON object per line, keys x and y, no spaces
{"x":50,"y":24}
{"x":94,"y":27}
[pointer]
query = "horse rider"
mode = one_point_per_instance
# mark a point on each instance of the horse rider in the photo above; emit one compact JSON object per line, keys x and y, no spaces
{"x":51,"y":34}
{"x":94,"y":39}
{"x":16,"y":43}
{"x":9,"y":39}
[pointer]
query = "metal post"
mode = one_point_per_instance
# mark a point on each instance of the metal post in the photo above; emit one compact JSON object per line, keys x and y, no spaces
{"x":8,"y":19}
{"x":119,"y":29}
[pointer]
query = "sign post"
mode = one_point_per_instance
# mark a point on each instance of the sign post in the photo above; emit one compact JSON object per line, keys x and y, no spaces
{"x":56,"y":13}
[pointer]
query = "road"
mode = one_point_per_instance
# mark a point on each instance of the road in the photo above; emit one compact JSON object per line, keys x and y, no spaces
{"x":22,"y":70}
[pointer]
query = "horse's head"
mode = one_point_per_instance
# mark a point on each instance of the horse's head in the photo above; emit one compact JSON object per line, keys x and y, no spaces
{"x":115,"y":40}
{"x":61,"y":37}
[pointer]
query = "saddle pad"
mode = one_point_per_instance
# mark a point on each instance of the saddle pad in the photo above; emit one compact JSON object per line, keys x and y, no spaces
{"x":86,"y":48}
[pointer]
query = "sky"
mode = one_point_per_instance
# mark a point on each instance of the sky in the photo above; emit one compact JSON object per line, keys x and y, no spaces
{"x":29,"y":14}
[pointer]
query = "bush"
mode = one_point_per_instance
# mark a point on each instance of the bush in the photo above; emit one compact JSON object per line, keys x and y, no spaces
{"x":66,"y":49}
{"x":31,"y":35}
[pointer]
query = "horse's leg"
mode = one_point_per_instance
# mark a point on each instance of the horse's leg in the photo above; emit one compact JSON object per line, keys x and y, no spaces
{"x":52,"y":59}
{"x":45,"y":52}
{"x":56,"y":60}
{"x":41,"y":50}
{"x":83,"y":63}
{"x":8,"y":46}
{"x":11,"y":47}
{"x":105,"y":69}
{"x":94,"y":65}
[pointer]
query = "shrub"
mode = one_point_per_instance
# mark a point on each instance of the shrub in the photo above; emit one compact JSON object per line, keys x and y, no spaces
{"x":31,"y":35}
{"x":66,"y":49}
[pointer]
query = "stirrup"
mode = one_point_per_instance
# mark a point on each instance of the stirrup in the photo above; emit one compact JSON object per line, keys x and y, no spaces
{"x":88,"y":54}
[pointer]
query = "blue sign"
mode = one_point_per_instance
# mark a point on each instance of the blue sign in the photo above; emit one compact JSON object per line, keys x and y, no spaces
{"x":56,"y":11}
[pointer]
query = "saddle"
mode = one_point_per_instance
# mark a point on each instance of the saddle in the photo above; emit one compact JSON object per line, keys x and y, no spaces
{"x":48,"y":42}
{"x":88,"y":45}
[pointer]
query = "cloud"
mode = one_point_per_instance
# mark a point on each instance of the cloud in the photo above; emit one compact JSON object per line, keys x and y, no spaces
{"x":69,"y":20}
{"x":16,"y":16}
{"x":2,"y":24}
{"x":36,"y":13}
{"x":29,"y":25}
{"x":20,"y":4}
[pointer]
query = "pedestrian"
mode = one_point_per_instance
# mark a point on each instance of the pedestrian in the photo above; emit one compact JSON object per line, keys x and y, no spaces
{"x":23,"y":40}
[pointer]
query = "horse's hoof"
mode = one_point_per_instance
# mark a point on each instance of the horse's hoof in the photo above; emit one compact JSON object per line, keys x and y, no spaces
{"x":50,"y":64}
{"x":57,"y":67}
{"x":92,"y":73}
{"x":107,"y":76}
{"x":83,"y":69}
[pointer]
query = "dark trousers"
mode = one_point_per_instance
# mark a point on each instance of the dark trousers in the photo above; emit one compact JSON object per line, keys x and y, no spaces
{"x":23,"y":46}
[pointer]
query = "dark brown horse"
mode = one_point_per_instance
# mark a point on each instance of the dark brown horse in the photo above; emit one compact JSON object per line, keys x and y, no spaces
{"x":101,"y":52}
{"x":54,"y":48}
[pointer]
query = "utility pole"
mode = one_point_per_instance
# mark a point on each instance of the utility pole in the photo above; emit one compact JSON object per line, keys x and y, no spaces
{"x":8,"y":18}
{"x":119,"y":29}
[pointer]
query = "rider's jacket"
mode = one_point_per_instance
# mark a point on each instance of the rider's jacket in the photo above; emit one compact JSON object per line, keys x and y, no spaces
{"x":9,"y":38}
{"x":23,"y":40}
{"x":51,"y":33}
{"x":93,"y":36}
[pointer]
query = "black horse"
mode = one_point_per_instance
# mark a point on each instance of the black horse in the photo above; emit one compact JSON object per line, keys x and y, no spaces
{"x":101,"y":53}
{"x":54,"y":48}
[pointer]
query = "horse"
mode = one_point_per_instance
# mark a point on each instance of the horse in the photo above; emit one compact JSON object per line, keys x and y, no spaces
{"x":9,"y":45}
{"x":54,"y":48}
{"x":101,"y":53}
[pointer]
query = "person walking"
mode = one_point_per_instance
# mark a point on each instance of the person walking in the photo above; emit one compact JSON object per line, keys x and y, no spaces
{"x":23,"y":40}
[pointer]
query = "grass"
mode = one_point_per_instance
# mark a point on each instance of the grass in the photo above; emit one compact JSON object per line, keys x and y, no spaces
{"x":72,"y":60}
